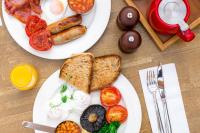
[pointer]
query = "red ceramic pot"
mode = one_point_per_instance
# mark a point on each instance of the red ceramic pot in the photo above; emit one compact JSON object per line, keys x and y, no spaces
{"x":170,"y":17}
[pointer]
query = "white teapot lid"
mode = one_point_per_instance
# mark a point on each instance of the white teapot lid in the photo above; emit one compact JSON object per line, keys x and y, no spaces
{"x":172,"y":11}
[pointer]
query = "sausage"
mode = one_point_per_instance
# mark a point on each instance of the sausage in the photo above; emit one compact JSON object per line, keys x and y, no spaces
{"x":69,"y":34}
{"x":64,"y":24}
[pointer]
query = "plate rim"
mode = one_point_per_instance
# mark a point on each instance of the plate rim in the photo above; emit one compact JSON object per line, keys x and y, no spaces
{"x":127,"y":130}
{"x":90,"y":40}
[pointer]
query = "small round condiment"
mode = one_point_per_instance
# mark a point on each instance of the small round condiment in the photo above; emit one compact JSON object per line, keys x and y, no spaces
{"x":128,"y":18}
{"x":24,"y":77}
{"x":130,"y":41}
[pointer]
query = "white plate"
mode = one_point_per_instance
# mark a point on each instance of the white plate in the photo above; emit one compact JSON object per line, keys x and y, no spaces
{"x":96,"y":22}
{"x":129,"y":99}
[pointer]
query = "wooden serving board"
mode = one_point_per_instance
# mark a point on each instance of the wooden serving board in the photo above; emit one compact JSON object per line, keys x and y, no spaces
{"x":164,"y":41}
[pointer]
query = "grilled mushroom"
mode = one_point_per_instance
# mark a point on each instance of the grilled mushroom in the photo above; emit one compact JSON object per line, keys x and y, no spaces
{"x":93,"y":118}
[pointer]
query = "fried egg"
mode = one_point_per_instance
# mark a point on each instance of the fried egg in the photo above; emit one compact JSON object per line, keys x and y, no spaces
{"x":53,"y":10}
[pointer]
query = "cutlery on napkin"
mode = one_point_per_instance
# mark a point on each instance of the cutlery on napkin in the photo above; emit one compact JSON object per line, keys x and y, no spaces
{"x":161,"y":88}
{"x":174,"y":100}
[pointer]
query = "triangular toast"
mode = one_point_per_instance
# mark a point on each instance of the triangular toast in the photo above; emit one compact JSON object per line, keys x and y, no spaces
{"x":106,"y":70}
{"x":77,"y":71}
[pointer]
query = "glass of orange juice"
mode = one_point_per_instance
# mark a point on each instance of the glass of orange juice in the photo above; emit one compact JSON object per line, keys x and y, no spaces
{"x":24,"y":76}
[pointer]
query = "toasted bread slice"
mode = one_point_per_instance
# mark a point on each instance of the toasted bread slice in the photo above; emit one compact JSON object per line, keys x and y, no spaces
{"x":106,"y":70}
{"x":77,"y":71}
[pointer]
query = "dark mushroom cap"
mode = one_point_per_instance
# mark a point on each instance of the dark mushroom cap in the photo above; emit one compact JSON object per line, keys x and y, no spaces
{"x":93,"y":118}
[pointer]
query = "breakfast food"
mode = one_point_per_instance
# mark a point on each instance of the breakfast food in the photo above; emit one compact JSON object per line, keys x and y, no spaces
{"x":35,"y":5}
{"x":24,"y":77}
{"x":39,"y":37}
{"x":77,"y":71}
{"x":110,"y":96}
{"x":42,"y":37}
{"x":67,"y":100}
{"x":69,"y":34}
{"x":106,"y":69}
{"x":41,"y":40}
{"x":109,"y":128}
{"x":81,"y":6}
{"x":53,"y":10}
{"x":116,"y":113}
{"x":60,"y":30}
{"x":65,"y":23}
{"x":130,"y":41}
{"x":22,"y":9}
{"x":128,"y":18}
{"x":34,"y":24}
{"x":93,"y":118}
{"x":73,"y":96}
{"x":68,"y":127}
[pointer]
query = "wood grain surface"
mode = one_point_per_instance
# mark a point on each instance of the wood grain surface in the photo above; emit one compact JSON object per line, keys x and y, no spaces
{"x":164,"y":41}
{"x":16,"y":106}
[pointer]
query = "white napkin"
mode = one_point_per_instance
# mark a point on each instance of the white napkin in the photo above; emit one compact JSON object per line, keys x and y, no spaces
{"x":174,"y":100}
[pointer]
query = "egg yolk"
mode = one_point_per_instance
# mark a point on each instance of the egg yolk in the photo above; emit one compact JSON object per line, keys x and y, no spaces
{"x":56,"y":7}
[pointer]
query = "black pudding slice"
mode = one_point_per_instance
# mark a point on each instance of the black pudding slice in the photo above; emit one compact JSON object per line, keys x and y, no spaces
{"x":93,"y":118}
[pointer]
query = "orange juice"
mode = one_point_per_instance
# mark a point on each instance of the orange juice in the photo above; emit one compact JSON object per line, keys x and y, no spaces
{"x":24,"y":76}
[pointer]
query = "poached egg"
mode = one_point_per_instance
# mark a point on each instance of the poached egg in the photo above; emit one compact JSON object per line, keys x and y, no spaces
{"x":77,"y":101}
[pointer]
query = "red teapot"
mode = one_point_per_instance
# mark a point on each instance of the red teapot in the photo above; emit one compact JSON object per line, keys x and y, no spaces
{"x":170,"y":17}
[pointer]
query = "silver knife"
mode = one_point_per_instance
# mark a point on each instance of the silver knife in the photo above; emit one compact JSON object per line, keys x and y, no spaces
{"x":39,"y":127}
{"x":161,"y":87}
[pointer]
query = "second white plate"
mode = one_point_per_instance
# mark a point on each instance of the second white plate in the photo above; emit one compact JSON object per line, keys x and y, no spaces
{"x":129,"y":99}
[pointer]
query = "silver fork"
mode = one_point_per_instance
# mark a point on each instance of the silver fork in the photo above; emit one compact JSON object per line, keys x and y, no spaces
{"x":152,"y":87}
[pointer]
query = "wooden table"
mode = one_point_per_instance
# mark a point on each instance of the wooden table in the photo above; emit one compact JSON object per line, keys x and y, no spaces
{"x":16,"y":106}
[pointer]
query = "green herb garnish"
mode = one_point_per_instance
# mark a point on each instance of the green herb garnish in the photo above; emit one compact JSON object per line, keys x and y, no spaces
{"x":63,"y":88}
{"x":109,"y":128}
{"x":64,"y":99}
